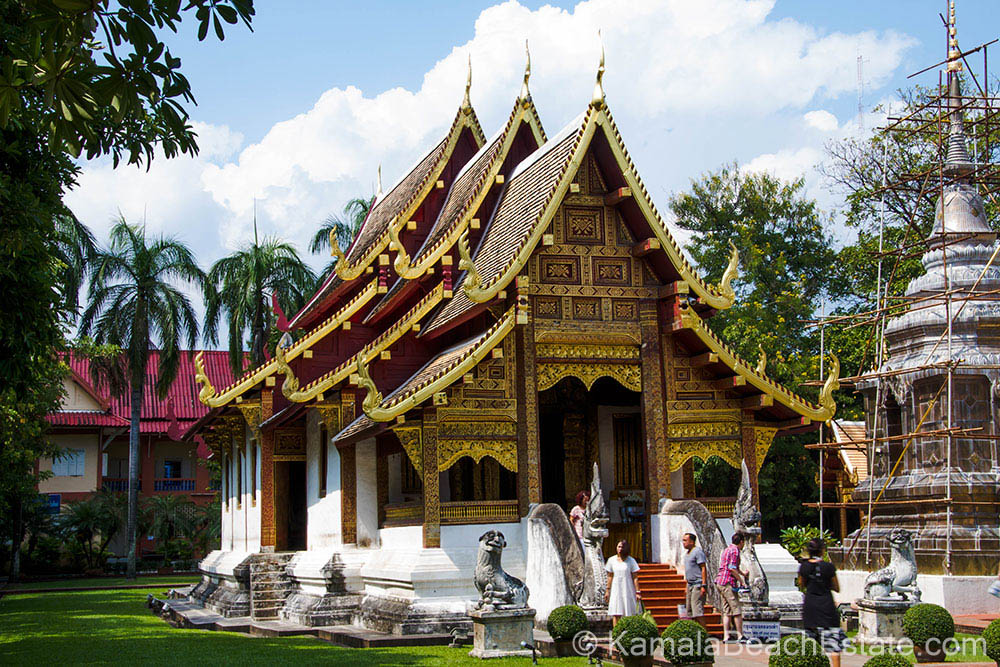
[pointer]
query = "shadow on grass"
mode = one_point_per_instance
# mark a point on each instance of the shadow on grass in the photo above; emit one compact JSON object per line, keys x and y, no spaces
{"x":115,"y":626}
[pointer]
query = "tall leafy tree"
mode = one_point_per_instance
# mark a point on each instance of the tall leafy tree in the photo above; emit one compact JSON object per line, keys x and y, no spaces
{"x":239,"y":288}
{"x":785,"y":259}
{"x":77,"y":77}
{"x":134,"y":302}
{"x":343,"y":227}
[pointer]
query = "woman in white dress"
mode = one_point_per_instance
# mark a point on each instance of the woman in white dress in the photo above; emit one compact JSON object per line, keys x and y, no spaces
{"x":623,"y":589}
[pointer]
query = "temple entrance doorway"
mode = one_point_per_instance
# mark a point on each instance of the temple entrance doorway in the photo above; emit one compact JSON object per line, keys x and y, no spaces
{"x":290,"y":505}
{"x":579,"y":427}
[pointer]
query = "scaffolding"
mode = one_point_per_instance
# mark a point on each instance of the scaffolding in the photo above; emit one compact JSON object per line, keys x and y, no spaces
{"x":932,"y":121}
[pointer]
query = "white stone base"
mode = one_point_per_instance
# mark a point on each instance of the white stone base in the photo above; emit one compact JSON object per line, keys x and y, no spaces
{"x":959,"y":595}
{"x":880,"y":623}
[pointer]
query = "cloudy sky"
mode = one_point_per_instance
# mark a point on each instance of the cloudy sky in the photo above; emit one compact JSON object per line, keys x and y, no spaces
{"x":300,"y":113}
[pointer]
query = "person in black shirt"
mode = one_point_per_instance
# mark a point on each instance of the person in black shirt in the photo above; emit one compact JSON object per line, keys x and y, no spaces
{"x":818,"y":578}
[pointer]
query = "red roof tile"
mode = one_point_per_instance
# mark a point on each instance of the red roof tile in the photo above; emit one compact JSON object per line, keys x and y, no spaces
{"x":155,"y":414}
{"x":85,"y":418}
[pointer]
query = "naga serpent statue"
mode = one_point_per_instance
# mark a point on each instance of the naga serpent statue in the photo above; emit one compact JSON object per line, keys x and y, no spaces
{"x":595,"y":529}
{"x":746,"y":520}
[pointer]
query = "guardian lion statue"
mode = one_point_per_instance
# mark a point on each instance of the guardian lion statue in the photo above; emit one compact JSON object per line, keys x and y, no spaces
{"x":498,"y":590}
{"x":900,"y":576}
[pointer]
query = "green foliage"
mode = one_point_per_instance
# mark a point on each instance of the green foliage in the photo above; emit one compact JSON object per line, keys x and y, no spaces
{"x":798,"y":651}
{"x":795,"y":539}
{"x":714,"y":478}
{"x":785,"y":259}
{"x":564,"y":622}
{"x":93,"y":523}
{"x":634,"y":636}
{"x":239,"y":288}
{"x":686,"y":642}
{"x":98,"y":78}
{"x":344,"y":227}
{"x":169,"y":518}
{"x":887,"y":660}
{"x":991,"y":637}
{"x":925,"y":621}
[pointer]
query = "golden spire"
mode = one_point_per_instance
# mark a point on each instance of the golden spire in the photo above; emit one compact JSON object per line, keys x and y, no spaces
{"x":954,"y":54}
{"x":598,"y":99}
{"x":525,"y":93}
{"x":467,"y":100}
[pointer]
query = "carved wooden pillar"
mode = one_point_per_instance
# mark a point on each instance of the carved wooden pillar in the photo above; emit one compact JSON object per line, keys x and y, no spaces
{"x":687,"y":472}
{"x":654,"y":416}
{"x":348,"y":494}
{"x":749,"y":451}
{"x":529,"y":489}
{"x":574,"y":448}
{"x":432,"y":481}
{"x":268,"y":534}
{"x":669,"y":394}
{"x":382,"y":481}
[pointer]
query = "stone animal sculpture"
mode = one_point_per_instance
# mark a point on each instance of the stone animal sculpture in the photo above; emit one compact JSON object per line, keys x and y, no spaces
{"x":595,"y":529}
{"x":900,"y":576}
{"x":746,"y":520}
{"x":498,"y":590}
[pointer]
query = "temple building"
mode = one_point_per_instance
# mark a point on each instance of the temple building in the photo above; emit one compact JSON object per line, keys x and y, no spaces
{"x":512,"y":311}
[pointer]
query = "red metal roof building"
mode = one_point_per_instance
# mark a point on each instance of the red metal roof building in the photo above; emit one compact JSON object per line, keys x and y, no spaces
{"x":93,"y":428}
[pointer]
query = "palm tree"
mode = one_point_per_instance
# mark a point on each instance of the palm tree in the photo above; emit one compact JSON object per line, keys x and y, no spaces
{"x":239,"y":286}
{"x":74,"y":251}
{"x":134,"y":303}
{"x":344,"y":227}
{"x":169,"y":518}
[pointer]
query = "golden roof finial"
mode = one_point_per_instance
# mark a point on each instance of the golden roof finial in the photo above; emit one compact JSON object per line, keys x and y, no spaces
{"x":467,"y":101}
{"x":378,"y":188}
{"x":525,"y":93}
{"x":597,"y":101}
{"x":954,"y":54}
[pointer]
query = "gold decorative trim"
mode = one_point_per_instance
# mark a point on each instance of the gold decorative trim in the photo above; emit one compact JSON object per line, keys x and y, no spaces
{"x":584,"y":351}
{"x":688,"y":416}
{"x":763,"y":437}
{"x":629,"y":375}
{"x":727,"y":450}
{"x":330,"y":416}
{"x":211,"y":398}
{"x":822,"y":412}
{"x":411,"y":438}
{"x":503,"y":451}
{"x":373,"y":349}
{"x":252,"y":415}
{"x":703,"y":430}
{"x":399,"y":404}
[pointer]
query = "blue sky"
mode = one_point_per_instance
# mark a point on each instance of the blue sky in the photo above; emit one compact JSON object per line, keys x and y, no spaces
{"x":299,"y":113}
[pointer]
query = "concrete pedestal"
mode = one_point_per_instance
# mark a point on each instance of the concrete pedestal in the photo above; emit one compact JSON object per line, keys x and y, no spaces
{"x":880,"y":622}
{"x":498,"y":633}
{"x":761,"y":622}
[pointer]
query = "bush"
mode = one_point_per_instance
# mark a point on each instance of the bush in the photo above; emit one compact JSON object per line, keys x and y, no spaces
{"x":796,"y":538}
{"x":888,"y":660}
{"x":635,"y":636}
{"x":566,"y":621}
{"x":991,"y":636}
{"x":923,"y":622}
{"x":685,"y":642}
{"x":798,"y":651}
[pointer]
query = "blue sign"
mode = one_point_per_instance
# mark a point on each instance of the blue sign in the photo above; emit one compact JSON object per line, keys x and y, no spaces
{"x":763,"y":631}
{"x":53,"y":502}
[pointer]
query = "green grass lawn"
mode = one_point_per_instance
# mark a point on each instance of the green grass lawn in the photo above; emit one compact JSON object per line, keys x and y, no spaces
{"x":167,"y":580}
{"x":115,"y":626}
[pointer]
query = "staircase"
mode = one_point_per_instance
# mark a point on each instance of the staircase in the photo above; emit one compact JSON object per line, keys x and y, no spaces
{"x":662,"y":589}
{"x":269,"y":585}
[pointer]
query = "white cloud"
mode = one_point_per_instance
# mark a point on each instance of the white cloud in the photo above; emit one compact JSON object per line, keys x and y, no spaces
{"x":821,"y":120}
{"x":679,"y":75}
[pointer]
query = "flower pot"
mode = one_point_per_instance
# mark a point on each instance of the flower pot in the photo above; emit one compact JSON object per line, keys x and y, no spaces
{"x":923,"y":654}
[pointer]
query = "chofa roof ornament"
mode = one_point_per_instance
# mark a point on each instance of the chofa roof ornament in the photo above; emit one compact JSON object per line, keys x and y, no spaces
{"x":597,"y":101}
{"x":467,"y":100}
{"x":525,"y":95}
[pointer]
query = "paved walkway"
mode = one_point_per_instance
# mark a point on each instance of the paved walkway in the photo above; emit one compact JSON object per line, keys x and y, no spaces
{"x":974,"y":623}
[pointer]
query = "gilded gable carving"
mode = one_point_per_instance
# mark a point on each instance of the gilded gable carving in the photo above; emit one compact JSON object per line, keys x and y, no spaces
{"x":583,"y":225}
{"x":611,"y":271}
{"x":548,"y":307}
{"x":586,"y":309}
{"x":560,"y":269}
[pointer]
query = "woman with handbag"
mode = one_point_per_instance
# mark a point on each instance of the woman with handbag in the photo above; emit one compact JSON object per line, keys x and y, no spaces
{"x":622,"y":592}
{"x":818,"y":579}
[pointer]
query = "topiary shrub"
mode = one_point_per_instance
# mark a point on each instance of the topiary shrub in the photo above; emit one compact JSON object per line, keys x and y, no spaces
{"x":798,"y":651}
{"x":686,"y":642}
{"x":991,"y":637}
{"x":888,"y":660}
{"x":635,"y":636}
{"x":924,"y":622}
{"x":566,"y":621}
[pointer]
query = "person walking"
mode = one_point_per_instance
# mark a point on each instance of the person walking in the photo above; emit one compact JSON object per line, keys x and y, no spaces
{"x":818,"y":578}
{"x":696,"y":575}
{"x":727,"y":581}
{"x":622,"y":592}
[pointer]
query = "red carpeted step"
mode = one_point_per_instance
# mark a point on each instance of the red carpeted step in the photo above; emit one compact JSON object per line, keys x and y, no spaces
{"x":662,"y":589}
